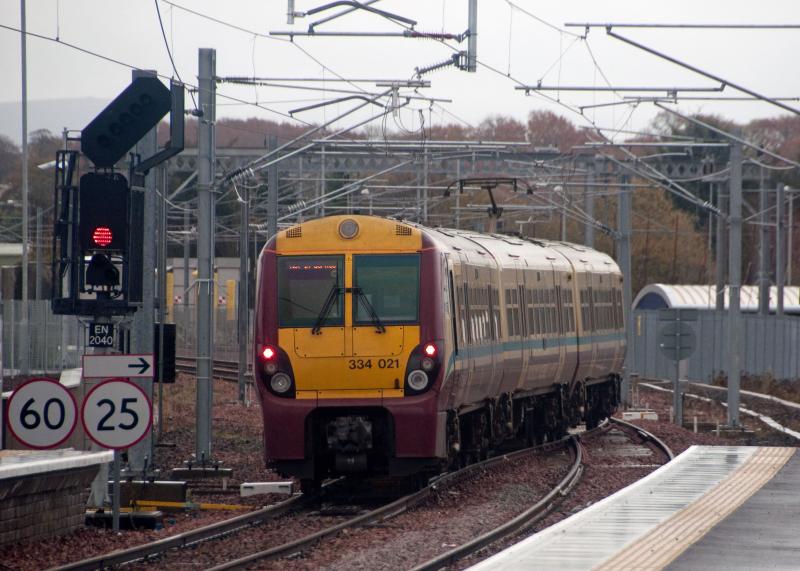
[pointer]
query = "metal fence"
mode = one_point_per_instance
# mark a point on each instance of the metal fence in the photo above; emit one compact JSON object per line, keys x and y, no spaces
{"x":54,"y":342}
{"x":57,"y":342}
{"x":226,"y":333}
{"x":769,"y":345}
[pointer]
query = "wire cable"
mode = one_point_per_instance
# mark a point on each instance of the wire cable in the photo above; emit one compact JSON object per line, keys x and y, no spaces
{"x":169,"y":52}
{"x":130,"y":66}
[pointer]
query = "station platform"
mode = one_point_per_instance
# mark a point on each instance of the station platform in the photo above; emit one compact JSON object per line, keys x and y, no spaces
{"x":712,"y":507}
{"x":43,"y":493}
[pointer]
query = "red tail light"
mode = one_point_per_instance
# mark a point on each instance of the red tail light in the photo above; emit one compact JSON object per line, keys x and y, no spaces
{"x":430,"y":350}
{"x":268,"y":353}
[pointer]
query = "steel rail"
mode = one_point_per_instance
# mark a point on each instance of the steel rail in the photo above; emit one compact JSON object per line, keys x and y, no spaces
{"x":181,"y":540}
{"x":531,"y":515}
{"x":392,"y":509}
{"x":535,"y":512}
{"x":225,"y":370}
{"x":647,"y":436}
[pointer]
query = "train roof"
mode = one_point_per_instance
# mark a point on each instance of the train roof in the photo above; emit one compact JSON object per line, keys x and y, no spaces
{"x":507,"y":248}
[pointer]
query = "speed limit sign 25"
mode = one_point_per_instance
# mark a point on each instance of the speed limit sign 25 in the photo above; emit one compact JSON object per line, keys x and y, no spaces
{"x":116,"y":414}
{"x":42,"y":413}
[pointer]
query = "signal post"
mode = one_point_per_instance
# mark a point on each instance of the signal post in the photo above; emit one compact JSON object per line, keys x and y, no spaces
{"x":97,"y":262}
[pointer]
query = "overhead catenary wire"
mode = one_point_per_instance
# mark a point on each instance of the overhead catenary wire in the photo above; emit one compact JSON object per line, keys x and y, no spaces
{"x":169,"y":52}
{"x":134,"y":67}
{"x":730,"y":136}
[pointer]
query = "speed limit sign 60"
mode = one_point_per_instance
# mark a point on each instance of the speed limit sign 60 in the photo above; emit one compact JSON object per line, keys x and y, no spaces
{"x":42,"y":413}
{"x":116,"y":414}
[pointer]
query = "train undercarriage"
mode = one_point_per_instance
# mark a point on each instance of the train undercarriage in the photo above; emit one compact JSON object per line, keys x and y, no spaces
{"x":360,"y":442}
{"x":533,"y":418}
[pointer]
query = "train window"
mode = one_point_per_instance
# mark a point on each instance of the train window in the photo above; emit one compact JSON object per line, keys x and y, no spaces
{"x":305,"y":283}
{"x":467,"y":316}
{"x":453,"y":309}
{"x":490,"y":312}
{"x":390,"y":283}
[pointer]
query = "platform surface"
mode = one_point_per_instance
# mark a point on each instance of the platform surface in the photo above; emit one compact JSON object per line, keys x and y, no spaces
{"x":16,"y":463}
{"x":713,"y":507}
{"x":764,"y":533}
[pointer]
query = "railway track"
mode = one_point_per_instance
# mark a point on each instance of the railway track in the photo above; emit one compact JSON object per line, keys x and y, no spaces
{"x":536,"y":512}
{"x":297,"y":504}
{"x":223,"y":369}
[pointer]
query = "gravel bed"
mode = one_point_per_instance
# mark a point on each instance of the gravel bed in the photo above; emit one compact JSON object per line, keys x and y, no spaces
{"x":453,"y":517}
{"x":712,"y":414}
{"x":456,"y":515}
{"x":605,"y":472}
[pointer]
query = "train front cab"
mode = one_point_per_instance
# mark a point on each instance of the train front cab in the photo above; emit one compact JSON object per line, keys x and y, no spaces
{"x":348,"y":372}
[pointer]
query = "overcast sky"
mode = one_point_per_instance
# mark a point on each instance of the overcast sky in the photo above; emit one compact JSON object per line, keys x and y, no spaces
{"x":508,"y":40}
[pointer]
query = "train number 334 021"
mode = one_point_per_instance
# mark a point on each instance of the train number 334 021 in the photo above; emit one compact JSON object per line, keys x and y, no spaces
{"x":367,"y":363}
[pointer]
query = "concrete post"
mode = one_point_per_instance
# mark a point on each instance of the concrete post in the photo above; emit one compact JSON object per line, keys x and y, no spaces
{"x":272,"y":189}
{"x":624,"y":261}
{"x":425,"y":189}
{"x":243,"y":312}
{"x":140,"y":456}
{"x":735,"y":257}
{"x":472,"y":41}
{"x":789,"y":240}
{"x":320,"y":208}
{"x":458,"y":195}
{"x":722,"y":249}
{"x":186,"y":247}
{"x":24,"y":322}
{"x":588,"y":207}
{"x":206,"y":147}
{"x":162,"y":290}
{"x":763,"y":258}
{"x":780,"y":246}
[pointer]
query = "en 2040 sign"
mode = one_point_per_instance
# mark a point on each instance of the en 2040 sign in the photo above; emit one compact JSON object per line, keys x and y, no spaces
{"x":101,"y":335}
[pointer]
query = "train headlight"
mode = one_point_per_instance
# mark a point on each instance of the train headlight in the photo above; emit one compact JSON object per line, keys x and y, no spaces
{"x":417,"y":380}
{"x":280,"y":383}
{"x":428,"y":364}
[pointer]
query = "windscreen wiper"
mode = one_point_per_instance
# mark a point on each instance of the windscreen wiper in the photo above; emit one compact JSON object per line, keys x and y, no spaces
{"x":376,"y":321}
{"x":326,"y":309}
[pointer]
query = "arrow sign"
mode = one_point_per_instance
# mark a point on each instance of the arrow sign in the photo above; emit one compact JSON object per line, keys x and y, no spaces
{"x":143,"y":365}
{"x":108,"y":366}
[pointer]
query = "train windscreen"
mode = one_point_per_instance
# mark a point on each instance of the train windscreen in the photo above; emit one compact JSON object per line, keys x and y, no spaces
{"x":387,"y":284}
{"x":310,"y":288}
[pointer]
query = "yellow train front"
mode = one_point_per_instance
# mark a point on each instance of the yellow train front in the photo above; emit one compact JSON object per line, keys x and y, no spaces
{"x":344,"y":362}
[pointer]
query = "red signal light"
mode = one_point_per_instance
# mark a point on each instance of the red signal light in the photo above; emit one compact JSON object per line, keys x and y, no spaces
{"x":102,"y":236}
{"x":268,"y":353}
{"x":430,"y":350}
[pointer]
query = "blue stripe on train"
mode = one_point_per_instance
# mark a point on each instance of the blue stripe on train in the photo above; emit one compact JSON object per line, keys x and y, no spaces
{"x":477,"y":351}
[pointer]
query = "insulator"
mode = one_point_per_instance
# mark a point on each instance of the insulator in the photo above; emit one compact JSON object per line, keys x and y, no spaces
{"x":297,"y":206}
{"x":243,"y":175}
{"x":420,"y":71}
{"x":432,"y":35}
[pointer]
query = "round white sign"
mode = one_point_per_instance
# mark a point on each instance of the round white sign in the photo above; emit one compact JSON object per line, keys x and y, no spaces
{"x":42,"y":413}
{"x":116,"y":414}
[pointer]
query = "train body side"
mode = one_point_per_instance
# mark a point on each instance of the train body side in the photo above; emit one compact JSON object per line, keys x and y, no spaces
{"x":528,"y":316}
